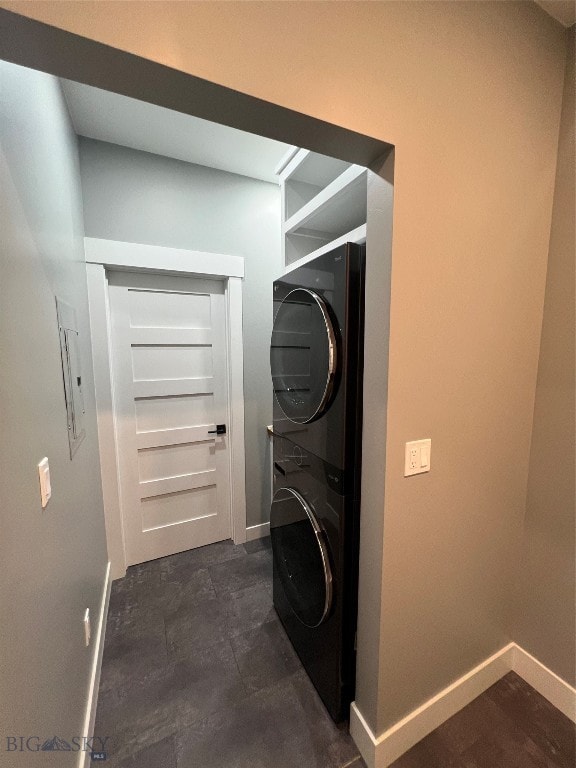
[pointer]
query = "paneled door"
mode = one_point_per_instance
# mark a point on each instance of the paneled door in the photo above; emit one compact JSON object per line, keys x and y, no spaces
{"x":171,"y":401}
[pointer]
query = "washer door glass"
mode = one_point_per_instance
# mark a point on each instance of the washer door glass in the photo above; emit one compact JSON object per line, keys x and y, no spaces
{"x":303,"y":356}
{"x":300,"y":557}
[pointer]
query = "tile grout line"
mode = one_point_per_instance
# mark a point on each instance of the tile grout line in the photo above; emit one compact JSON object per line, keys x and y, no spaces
{"x":240,"y":675}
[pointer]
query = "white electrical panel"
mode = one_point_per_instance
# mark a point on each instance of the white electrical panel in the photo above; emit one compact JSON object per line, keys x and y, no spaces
{"x":72,"y":374}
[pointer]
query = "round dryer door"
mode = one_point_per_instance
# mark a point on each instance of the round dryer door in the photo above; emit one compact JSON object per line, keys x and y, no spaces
{"x":303,"y":356}
{"x":300,"y":557}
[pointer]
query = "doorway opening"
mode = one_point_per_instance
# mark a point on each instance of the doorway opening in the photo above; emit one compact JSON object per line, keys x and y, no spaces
{"x":309,"y":178}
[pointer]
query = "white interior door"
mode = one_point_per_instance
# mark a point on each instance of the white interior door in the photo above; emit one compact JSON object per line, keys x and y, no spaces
{"x":170,"y":393}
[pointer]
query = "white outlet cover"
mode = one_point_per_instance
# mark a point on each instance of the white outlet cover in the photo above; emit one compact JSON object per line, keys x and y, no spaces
{"x":417,"y":457}
{"x":87,"y":628}
{"x":45,"y":487}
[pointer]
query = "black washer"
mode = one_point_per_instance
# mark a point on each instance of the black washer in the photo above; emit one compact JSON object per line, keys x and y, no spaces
{"x":301,"y":556}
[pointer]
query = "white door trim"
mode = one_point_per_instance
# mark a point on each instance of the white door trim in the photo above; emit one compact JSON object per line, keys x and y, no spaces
{"x":236,"y":401}
{"x":120,"y":255}
{"x":105,"y":414}
{"x":113,"y":254}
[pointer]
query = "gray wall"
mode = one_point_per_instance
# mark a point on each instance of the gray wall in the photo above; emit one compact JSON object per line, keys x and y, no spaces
{"x":547,"y":601}
{"x":52,"y":561}
{"x":144,"y":198}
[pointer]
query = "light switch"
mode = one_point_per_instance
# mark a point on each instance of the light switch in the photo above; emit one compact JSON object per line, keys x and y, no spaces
{"x":45,"y":487}
{"x":87,"y":628}
{"x":417,"y":457}
{"x":424,"y":456}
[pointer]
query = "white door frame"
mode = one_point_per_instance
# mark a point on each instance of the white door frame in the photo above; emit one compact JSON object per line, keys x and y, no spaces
{"x":112,"y":254}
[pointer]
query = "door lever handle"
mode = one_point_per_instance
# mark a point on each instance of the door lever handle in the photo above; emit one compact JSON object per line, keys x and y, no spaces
{"x":220,"y":430}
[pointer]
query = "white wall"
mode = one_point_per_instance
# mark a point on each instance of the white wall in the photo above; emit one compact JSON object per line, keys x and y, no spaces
{"x":52,"y":561}
{"x":144,"y":198}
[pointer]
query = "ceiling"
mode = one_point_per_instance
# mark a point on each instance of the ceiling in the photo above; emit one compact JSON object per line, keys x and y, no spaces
{"x":107,"y":116}
{"x":563,"y":11}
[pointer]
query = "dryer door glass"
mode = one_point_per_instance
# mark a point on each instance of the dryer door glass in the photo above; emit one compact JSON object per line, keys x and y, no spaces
{"x":300,"y":557}
{"x":303,"y":356}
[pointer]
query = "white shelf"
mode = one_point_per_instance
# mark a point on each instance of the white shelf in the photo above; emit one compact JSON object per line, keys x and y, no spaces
{"x":285,"y":159}
{"x":357,"y":235}
{"x":344,"y":200}
{"x":305,"y":176}
{"x":323,"y":201}
{"x":312,"y":168}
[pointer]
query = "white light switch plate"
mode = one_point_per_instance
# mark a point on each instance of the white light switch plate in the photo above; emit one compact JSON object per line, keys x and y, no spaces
{"x":87,"y":628}
{"x":45,"y":487}
{"x":417,"y":457}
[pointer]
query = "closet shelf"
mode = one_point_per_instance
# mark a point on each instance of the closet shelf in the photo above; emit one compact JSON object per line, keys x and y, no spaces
{"x":324,"y":204}
{"x":357,"y":235}
{"x":336,"y":207}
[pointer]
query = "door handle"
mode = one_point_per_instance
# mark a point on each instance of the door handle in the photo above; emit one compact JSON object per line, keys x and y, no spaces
{"x":220,"y":430}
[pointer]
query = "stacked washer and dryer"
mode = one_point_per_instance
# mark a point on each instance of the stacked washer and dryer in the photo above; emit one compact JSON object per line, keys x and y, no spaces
{"x":316,"y":359}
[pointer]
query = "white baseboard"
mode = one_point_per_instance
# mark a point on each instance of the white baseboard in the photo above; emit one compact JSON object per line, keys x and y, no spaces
{"x":257,"y":531}
{"x":547,"y":683}
{"x":84,"y":759}
{"x":363,"y":736}
{"x":381,"y":751}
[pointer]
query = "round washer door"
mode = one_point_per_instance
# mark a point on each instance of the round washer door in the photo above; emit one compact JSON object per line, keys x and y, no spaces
{"x":301,"y":557}
{"x":303,"y":356}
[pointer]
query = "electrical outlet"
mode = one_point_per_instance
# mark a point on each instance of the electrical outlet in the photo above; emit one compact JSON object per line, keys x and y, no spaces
{"x":45,"y":486}
{"x":417,"y":457}
{"x":87,"y":629}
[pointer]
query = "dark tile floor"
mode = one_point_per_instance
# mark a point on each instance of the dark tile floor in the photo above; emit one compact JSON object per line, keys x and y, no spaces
{"x":198,"y":673}
{"x":509,"y":726}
